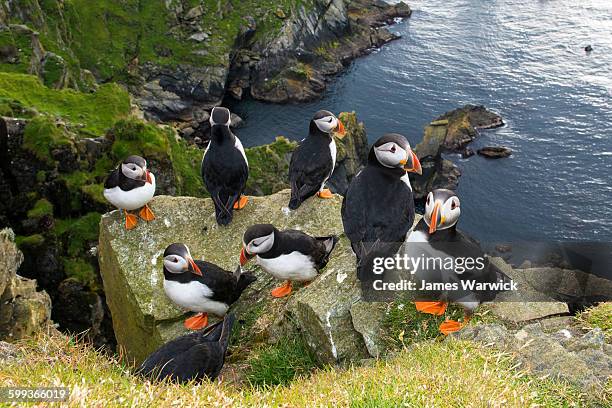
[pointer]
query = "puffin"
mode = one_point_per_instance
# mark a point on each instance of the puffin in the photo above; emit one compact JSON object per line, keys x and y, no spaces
{"x":225,"y":168}
{"x":289,"y":255}
{"x":313,"y":162}
{"x":378,"y":208}
{"x":131,"y":186}
{"x":193,"y":356}
{"x":437,"y":232}
{"x":200,"y":286}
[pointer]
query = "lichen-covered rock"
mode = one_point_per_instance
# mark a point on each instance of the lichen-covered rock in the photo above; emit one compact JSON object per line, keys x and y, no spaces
{"x":130,"y":262}
{"x":23,"y":310}
{"x":525,"y":304}
{"x":584,"y":360}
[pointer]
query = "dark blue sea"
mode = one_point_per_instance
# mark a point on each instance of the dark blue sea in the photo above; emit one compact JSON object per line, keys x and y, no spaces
{"x":524,"y":59}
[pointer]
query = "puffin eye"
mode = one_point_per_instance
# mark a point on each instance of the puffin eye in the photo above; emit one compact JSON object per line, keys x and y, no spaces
{"x":428,"y":199}
{"x":175,"y":260}
{"x":453,"y":205}
{"x":330,"y":120}
{"x":393,"y":149}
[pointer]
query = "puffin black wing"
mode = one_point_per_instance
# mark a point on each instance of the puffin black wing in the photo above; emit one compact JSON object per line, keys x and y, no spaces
{"x":226,"y":286}
{"x":377,"y":213}
{"x":112,"y":180}
{"x":193,"y":356}
{"x":308,"y":169}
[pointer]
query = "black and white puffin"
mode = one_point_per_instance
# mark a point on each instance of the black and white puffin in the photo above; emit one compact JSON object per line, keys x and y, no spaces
{"x":313,"y":162}
{"x":193,"y":356}
{"x":289,"y":255}
{"x":131,"y":186}
{"x":438,"y":231}
{"x":378,"y":208}
{"x":200,"y":286}
{"x":225,"y":168}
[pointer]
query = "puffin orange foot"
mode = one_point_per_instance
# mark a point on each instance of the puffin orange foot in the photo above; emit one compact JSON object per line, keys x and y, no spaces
{"x":197,"y":322}
{"x":450,"y":326}
{"x":434,"y":308}
{"x":325,"y":193}
{"x":241,"y":202}
{"x":130,"y":221}
{"x":146,"y":213}
{"x":283,"y":290}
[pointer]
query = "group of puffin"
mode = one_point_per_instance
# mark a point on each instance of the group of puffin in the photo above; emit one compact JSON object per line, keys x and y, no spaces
{"x":378,"y":212}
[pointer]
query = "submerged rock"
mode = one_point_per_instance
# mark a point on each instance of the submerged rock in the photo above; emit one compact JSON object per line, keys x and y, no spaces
{"x":495,"y":152}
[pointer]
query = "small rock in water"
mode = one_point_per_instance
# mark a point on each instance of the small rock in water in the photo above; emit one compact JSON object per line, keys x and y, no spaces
{"x":503,"y":248}
{"x":467,"y":152}
{"x":588,"y":48}
{"x":495,"y":152}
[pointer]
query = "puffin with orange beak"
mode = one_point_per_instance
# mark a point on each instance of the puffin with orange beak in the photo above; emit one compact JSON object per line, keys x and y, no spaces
{"x":289,"y":255}
{"x":131,"y":186}
{"x":313,"y":162}
{"x":200,"y":286}
{"x":378,"y":208}
{"x":438,"y":232}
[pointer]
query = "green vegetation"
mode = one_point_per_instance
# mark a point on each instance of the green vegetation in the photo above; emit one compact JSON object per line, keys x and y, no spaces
{"x":133,"y":136}
{"x":266,"y":163}
{"x":81,"y":270}
{"x":430,"y":374}
{"x":280,"y":363}
{"x":41,"y":135}
{"x":31,"y":241}
{"x":95,"y":111}
{"x":405,"y":325}
{"x":77,"y":233}
{"x":598,"y":316}
{"x":41,"y":208}
{"x":186,"y":162}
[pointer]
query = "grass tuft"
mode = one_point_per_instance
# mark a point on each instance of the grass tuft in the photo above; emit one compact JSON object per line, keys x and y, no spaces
{"x":281,"y":363}
{"x":598,"y":316}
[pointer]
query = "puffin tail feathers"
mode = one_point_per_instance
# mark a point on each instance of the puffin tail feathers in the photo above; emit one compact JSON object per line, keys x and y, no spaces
{"x":330,"y":243}
{"x":295,"y":201}
{"x":244,"y":279}
{"x":226,"y":330}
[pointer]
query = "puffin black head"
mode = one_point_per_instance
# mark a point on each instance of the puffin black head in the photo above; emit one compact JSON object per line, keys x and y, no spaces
{"x":258,"y":239}
{"x":392,"y":150}
{"x":177,"y":259}
{"x":135,"y":168}
{"x":442,"y":209}
{"x":220,"y":116}
{"x":326,"y":122}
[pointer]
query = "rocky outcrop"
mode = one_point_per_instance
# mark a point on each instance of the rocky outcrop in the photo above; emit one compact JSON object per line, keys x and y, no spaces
{"x":450,"y":132}
{"x":552,"y":348}
{"x":23,"y":310}
{"x":314,"y":44}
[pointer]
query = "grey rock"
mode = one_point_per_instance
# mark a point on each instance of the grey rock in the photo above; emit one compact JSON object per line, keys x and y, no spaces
{"x":495,"y":152}
{"x":199,"y":37}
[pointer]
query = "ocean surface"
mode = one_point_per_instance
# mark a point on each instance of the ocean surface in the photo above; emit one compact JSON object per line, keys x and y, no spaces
{"x":524,"y":59}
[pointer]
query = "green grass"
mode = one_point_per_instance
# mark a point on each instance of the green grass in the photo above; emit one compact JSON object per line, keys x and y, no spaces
{"x":96,"y":111}
{"x":598,"y":316}
{"x":41,"y":208}
{"x":80,"y":270}
{"x":186,"y":162}
{"x":266,"y":163}
{"x":30,"y":241}
{"x":280,"y":363}
{"x":404,"y":325}
{"x":431,"y":374}
{"x":77,"y":233}
{"x":133,"y":136}
{"x":41,"y":135}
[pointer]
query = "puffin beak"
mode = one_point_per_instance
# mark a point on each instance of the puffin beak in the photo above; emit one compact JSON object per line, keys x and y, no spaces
{"x":340,"y":130}
{"x":433,"y":225}
{"x":193,"y":267}
{"x":148,"y":176}
{"x":244,"y":257}
{"x":415,"y":164}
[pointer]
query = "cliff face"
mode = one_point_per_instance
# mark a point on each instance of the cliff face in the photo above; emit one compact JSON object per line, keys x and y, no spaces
{"x":179,"y":57}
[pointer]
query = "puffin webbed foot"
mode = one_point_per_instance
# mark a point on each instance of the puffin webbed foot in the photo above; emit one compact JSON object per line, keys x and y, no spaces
{"x":451,"y":326}
{"x":241,"y":202}
{"x":131,"y":221}
{"x":283,"y":290}
{"x":197,"y":322}
{"x":146,"y":213}
{"x":434,"y":308}
{"x":325,"y":194}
